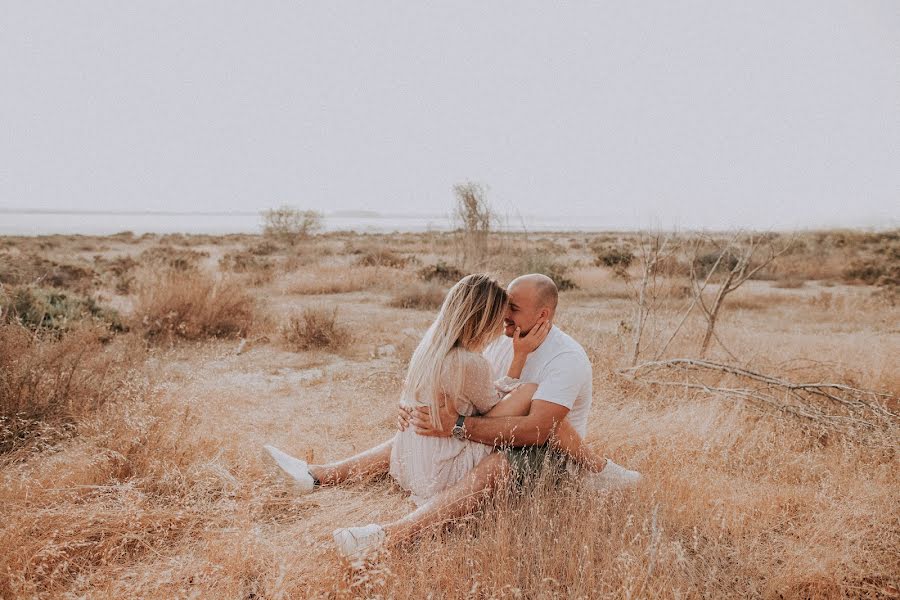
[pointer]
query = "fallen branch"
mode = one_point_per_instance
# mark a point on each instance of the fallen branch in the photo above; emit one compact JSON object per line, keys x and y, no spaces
{"x":862,"y":404}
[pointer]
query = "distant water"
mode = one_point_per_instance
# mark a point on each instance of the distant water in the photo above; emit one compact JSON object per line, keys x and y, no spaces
{"x":25,"y":222}
{"x":45,"y":223}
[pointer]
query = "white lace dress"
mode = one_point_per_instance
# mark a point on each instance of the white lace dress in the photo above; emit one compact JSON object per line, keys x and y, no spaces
{"x":425,"y":466}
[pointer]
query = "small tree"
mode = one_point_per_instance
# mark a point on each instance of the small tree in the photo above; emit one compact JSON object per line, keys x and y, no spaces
{"x":289,"y":224}
{"x":474,"y":216}
{"x":742,"y":257}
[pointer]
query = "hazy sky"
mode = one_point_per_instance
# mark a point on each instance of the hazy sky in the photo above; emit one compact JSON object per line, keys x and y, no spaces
{"x":696,"y":114}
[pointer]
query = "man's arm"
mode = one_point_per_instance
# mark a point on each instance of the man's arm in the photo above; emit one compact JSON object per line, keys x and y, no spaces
{"x":533,"y":429}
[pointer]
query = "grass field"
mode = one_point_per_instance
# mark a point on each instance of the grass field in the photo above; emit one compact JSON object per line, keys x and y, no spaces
{"x":140,"y":376}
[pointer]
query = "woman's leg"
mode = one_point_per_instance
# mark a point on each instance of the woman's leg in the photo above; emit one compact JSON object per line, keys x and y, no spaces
{"x":374,"y":461}
{"x":461,"y":499}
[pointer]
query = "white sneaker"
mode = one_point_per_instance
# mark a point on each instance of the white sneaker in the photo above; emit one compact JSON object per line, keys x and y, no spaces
{"x":295,"y":468}
{"x":613,"y":477}
{"x":359,"y":543}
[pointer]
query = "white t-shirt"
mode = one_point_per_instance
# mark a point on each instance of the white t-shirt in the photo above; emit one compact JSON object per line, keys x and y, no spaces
{"x":559,"y":366}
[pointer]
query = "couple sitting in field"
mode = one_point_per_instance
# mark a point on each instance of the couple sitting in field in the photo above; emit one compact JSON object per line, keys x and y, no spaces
{"x":478,"y":409}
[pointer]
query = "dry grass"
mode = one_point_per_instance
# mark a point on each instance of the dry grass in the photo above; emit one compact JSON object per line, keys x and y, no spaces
{"x":161,"y":492}
{"x":49,"y":380}
{"x":337,"y":280}
{"x":192,"y":305}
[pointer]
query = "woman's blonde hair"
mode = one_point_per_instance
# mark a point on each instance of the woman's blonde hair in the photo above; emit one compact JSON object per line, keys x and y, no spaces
{"x":470,"y":317}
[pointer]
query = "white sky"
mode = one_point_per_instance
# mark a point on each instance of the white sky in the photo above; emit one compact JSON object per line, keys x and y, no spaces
{"x":697,"y":114}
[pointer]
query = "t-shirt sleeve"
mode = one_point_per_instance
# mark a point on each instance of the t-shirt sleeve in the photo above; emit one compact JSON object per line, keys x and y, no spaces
{"x":479,"y":385}
{"x":562,"y":379}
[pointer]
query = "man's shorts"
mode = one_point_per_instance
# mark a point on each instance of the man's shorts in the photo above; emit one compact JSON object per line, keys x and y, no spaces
{"x":529,"y":463}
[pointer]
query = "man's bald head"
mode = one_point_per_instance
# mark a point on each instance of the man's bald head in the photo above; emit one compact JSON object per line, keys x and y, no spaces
{"x":532,"y":299}
{"x":545,"y":292}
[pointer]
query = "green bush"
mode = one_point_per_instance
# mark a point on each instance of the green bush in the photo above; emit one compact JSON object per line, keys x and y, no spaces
{"x":53,"y":309}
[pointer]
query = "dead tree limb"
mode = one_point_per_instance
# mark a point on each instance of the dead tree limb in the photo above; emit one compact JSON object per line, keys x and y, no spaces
{"x":862,"y":403}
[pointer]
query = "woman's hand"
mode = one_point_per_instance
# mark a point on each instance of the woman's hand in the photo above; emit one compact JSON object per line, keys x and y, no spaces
{"x":532,"y":340}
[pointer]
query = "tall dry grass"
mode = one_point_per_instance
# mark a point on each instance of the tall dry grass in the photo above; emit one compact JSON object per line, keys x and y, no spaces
{"x":50,"y":380}
{"x":174,"y":304}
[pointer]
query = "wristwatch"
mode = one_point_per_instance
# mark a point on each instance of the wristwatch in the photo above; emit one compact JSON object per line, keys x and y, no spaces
{"x":459,"y":430}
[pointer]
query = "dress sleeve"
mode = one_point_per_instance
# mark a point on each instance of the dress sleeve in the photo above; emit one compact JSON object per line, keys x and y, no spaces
{"x":478,"y":388}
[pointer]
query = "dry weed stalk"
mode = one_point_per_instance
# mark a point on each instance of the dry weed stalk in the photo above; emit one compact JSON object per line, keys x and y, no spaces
{"x":653,"y":250}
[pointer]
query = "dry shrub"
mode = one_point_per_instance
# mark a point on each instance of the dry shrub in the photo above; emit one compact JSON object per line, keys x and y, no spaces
{"x":880,"y":271}
{"x":422,"y":296}
{"x":381,"y":257}
{"x":23,"y":269}
{"x":316,"y":328}
{"x":441,"y":272}
{"x":49,"y":379}
{"x":547,"y":264}
{"x":177,"y":304}
{"x":260,"y":268}
{"x":618,"y":258}
{"x":117,"y":272}
{"x":177,"y":259}
{"x":290,"y":225}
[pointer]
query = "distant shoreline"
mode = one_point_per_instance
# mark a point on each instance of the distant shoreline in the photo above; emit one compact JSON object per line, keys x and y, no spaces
{"x":18,"y":221}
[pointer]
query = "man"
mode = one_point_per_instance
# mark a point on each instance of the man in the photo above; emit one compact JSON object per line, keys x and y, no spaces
{"x":562,"y":371}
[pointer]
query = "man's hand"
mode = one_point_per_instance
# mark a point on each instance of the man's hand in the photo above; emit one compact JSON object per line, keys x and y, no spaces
{"x":532,"y":340}
{"x":421,"y":420}
{"x":403,"y":417}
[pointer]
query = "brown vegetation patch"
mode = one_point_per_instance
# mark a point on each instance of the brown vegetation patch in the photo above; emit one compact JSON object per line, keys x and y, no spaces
{"x":316,"y":328}
{"x":421,"y":296}
{"x":178,"y":304}
{"x":338,"y":280}
{"x":22,"y":269}
{"x":167,"y":257}
{"x":382,"y":257}
{"x":48,"y":380}
{"x":441,"y":272}
{"x":260,"y":268}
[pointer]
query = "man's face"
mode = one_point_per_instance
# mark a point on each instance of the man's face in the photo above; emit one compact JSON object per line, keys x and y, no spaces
{"x":523,"y":310}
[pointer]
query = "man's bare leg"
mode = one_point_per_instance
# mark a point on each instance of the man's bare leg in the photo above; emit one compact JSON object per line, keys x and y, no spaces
{"x":372,"y":462}
{"x":459,"y":500}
